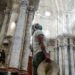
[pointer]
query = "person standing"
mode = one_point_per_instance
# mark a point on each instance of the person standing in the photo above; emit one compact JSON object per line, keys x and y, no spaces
{"x":38,"y":47}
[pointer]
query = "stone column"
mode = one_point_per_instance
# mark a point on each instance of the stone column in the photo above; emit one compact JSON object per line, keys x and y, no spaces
{"x":18,"y":37}
{"x":52,"y":54}
{"x":4,"y":26}
{"x":65,"y":55}
{"x":13,"y":19}
{"x":72,"y":57}
{"x":56,"y":51}
{"x":60,"y":55}
{"x":27,"y":38}
{"x":1,"y":19}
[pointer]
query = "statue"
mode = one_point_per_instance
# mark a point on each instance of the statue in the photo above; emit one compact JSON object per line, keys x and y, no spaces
{"x":42,"y":64}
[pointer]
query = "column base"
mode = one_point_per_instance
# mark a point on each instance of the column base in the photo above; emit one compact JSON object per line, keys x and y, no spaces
{"x":23,"y":72}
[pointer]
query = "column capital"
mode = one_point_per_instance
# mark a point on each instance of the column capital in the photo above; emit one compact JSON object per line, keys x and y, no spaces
{"x":65,"y":41}
{"x":71,"y":42}
{"x":31,"y":8}
{"x":15,"y":7}
{"x":24,"y":3}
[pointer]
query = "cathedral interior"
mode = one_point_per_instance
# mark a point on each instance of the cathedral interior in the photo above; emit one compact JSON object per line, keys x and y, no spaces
{"x":57,"y":18}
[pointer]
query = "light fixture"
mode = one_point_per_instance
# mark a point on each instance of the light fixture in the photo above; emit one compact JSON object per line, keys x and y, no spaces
{"x":47,"y":13}
{"x":13,"y":25}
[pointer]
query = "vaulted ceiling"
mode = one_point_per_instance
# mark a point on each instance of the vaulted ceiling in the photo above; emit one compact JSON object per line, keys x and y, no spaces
{"x":52,"y":15}
{"x":56,"y":16}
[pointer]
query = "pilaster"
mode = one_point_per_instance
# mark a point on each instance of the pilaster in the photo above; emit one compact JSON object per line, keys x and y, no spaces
{"x":27,"y":38}
{"x":4,"y":26}
{"x":18,"y":37}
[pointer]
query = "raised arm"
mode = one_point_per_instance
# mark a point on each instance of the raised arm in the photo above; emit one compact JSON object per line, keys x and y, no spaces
{"x":42,"y":45}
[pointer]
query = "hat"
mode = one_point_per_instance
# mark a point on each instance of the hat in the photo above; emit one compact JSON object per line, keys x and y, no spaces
{"x":36,"y":27}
